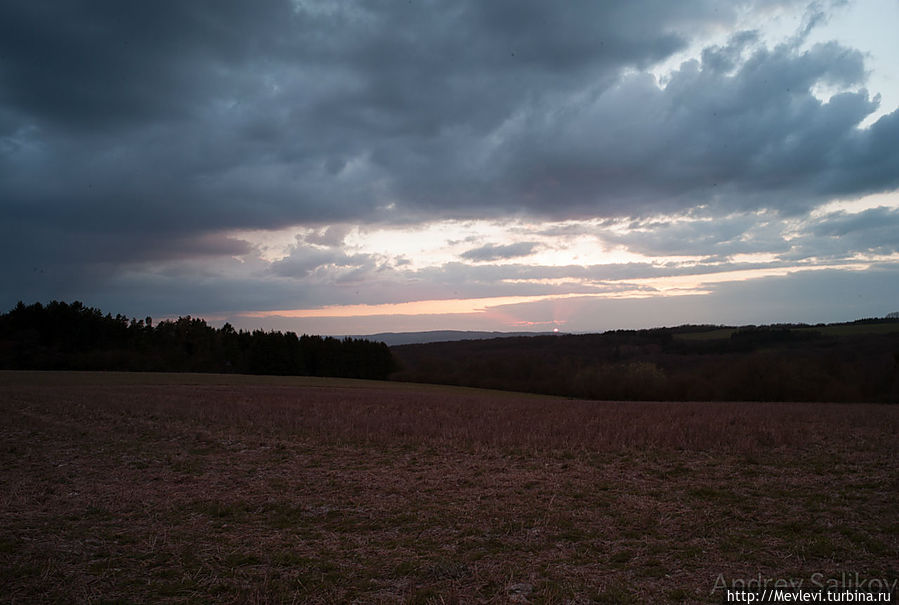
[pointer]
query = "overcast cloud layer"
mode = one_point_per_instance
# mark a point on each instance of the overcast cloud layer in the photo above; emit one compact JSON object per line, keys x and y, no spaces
{"x":138,"y":141}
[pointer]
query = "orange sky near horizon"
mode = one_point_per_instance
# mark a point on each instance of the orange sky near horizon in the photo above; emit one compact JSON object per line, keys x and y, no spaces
{"x":661,"y":287}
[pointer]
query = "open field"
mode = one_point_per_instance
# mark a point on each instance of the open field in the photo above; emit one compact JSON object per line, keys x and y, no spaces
{"x":186,"y":488}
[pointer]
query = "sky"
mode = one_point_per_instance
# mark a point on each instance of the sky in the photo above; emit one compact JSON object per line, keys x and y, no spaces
{"x":361,"y":167}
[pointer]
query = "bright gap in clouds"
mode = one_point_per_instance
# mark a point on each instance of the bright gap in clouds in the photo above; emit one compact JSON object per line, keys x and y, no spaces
{"x":867,"y":25}
{"x":592,"y":259}
{"x":869,"y":202}
{"x":437,"y":243}
{"x":870,"y":25}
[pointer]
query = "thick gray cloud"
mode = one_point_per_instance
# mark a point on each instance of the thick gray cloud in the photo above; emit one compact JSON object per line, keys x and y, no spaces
{"x":734,"y":136}
{"x":229,"y":115}
{"x":328,"y":265}
{"x":883,"y":222}
{"x":840,"y":234}
{"x":332,"y":235}
{"x":142,"y":133}
{"x":720,"y":236}
{"x":489,"y":252}
{"x":830,"y":237}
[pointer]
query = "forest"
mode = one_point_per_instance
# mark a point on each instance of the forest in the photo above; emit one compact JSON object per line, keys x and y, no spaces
{"x":63,"y":336}
{"x":851,"y":362}
{"x":854,"y":362}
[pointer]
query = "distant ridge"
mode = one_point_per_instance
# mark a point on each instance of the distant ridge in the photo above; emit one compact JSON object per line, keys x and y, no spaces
{"x":848,"y":362}
{"x":410,"y":338}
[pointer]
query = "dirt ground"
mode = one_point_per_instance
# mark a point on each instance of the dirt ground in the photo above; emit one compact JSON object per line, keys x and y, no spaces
{"x":180,"y":488}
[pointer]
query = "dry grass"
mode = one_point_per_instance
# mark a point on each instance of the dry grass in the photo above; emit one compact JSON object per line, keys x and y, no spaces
{"x":123,"y":488}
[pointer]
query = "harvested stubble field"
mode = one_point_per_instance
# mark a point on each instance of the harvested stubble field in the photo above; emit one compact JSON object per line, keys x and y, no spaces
{"x":180,"y":488}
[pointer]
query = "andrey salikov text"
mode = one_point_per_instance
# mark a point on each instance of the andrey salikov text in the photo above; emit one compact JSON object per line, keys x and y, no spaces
{"x":817,"y":581}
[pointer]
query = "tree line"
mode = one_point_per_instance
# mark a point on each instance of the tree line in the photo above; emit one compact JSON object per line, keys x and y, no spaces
{"x":688,"y":363}
{"x":63,"y":336}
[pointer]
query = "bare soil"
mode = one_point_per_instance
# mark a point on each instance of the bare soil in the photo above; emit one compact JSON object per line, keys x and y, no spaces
{"x":185,"y":488}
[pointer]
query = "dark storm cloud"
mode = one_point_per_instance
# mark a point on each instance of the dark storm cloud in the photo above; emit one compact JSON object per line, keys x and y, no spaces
{"x":227,"y":114}
{"x":128,"y":130}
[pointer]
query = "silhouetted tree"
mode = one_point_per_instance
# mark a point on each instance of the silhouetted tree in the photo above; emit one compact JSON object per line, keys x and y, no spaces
{"x":73,"y":336}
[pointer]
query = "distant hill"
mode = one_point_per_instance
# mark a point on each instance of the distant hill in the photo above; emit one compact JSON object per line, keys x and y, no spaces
{"x":854,"y":361}
{"x":393,"y":339}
